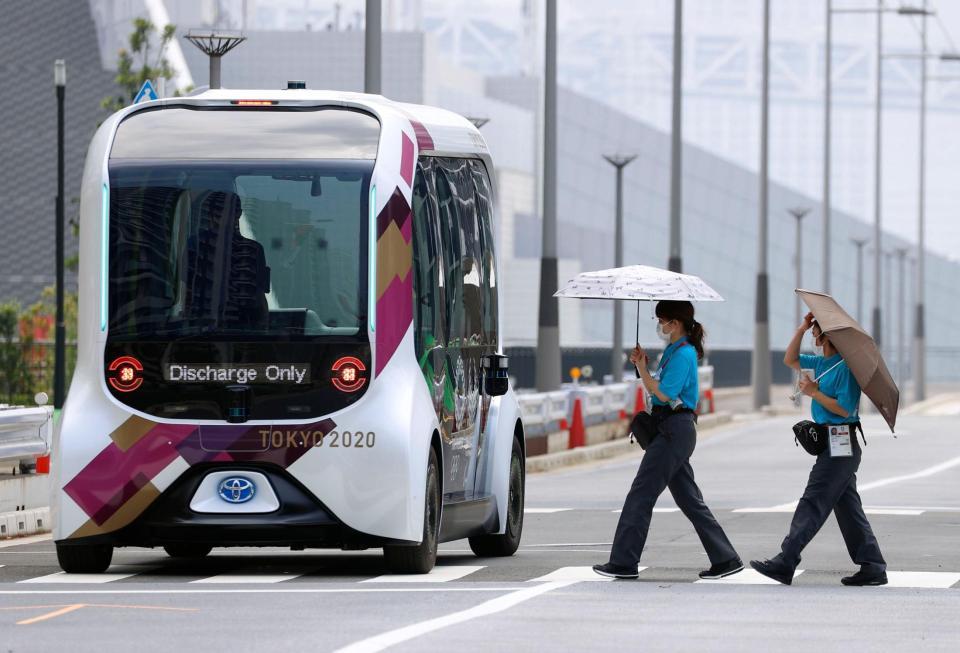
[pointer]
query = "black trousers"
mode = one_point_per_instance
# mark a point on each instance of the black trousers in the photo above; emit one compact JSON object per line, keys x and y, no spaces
{"x":833,"y":486}
{"x":666,"y":464}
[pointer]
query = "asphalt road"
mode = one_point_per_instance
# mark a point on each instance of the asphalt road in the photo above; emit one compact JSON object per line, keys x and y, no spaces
{"x":545,"y":597}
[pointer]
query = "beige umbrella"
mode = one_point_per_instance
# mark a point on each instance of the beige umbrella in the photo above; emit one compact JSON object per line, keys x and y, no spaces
{"x":859,"y":351}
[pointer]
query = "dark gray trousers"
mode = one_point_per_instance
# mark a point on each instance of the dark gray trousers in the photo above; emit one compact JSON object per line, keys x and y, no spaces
{"x":666,"y":464}
{"x":833,"y":486}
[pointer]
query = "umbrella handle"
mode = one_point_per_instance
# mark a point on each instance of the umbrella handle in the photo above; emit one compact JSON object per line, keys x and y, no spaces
{"x":638,"y":321}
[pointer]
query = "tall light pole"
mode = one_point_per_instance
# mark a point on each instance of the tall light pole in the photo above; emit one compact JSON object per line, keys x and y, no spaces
{"x":859,"y":242}
{"x":798,"y":213}
{"x":902,"y":309}
{"x":59,"y":361}
{"x":920,"y":368}
{"x":676,"y":144}
{"x":619,"y":162}
{"x":827,"y":92}
{"x":888,"y":307}
{"x":215,"y":44}
{"x":548,"y":331}
{"x":761,"y":335}
{"x":877,"y":182}
{"x":372,"y":56}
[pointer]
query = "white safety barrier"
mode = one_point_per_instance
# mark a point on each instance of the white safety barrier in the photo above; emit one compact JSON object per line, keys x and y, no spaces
{"x":705,"y":374}
{"x":544,"y":412}
{"x":25,"y":434}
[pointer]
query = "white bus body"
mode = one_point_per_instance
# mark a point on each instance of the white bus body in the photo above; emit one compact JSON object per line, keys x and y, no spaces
{"x":288,"y":332}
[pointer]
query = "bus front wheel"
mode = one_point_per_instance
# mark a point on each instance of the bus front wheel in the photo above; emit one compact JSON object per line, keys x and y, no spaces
{"x":493,"y":546}
{"x":420,"y":559}
{"x":84,"y":558}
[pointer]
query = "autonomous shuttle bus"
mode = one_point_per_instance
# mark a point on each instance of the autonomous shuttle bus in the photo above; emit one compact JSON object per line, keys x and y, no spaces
{"x":289,"y":335}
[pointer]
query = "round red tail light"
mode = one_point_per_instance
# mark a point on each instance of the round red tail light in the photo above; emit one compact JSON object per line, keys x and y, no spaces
{"x":349,"y":374}
{"x":126,"y":374}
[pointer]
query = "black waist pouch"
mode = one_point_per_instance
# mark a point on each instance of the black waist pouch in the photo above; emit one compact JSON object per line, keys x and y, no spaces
{"x":811,"y":436}
{"x":644,"y":427}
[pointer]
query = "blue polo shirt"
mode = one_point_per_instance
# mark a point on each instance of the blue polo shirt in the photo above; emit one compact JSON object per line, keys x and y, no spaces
{"x":678,"y":374}
{"x":838,"y":383}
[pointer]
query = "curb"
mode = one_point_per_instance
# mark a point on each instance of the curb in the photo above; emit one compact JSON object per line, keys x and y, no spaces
{"x":550,"y":461}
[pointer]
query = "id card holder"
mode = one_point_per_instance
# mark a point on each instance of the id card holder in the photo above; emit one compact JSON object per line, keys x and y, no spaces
{"x":840,"y":445}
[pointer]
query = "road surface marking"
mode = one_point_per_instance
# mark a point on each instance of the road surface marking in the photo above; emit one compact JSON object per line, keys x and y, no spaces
{"x":236,"y":577}
{"x":436,"y":575}
{"x":564,"y":574}
{"x":406,"y":633}
{"x":544,"y":511}
{"x":64,"y":577}
{"x":923,"y":473}
{"x":746,"y":577}
{"x":921,"y":579}
{"x":617,"y":512}
{"x":51,"y":615}
{"x":571,"y":544}
{"x":891,"y":511}
{"x":785,"y":507}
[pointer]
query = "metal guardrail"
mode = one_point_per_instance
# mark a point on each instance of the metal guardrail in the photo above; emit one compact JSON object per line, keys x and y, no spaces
{"x":25,"y":433}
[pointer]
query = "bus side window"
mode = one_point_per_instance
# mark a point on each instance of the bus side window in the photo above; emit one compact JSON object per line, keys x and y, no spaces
{"x":470,"y":269}
{"x":426,"y":279}
{"x":487,"y":248}
{"x":452,"y":255}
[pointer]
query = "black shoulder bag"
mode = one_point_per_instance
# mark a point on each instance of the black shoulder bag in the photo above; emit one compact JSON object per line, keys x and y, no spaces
{"x":645,"y":426}
{"x":813,"y":437}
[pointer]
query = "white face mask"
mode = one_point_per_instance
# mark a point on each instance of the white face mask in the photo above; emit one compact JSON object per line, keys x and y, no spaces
{"x":818,"y":349}
{"x":663,"y":335}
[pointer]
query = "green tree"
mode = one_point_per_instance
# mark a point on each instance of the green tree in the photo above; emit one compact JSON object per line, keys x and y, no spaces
{"x":135,"y":66}
{"x":15,"y":380}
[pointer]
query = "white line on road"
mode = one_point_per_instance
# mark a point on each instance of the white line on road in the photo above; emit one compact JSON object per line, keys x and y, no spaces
{"x":746,"y":577}
{"x":436,"y":575}
{"x":544,"y":511}
{"x":493,"y":606}
{"x":234,"y":578}
{"x":250,"y":590}
{"x":573,"y":574}
{"x":571,"y":544}
{"x":921,"y":579}
{"x":64,"y":577}
{"x":617,"y":512}
{"x":891,"y":511}
{"x":923,"y":473}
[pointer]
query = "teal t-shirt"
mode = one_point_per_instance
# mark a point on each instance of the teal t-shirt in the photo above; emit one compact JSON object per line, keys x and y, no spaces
{"x":678,"y":374}
{"x":838,"y":383}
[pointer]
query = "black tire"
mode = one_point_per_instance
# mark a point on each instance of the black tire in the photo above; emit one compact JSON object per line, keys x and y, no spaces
{"x":84,"y":558}
{"x":497,"y":546}
{"x":187,"y":550}
{"x":420,"y":559}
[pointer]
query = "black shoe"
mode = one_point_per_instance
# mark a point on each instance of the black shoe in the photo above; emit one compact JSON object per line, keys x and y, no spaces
{"x":771,"y":569}
{"x":611,"y":570}
{"x":723,"y":569}
{"x":865,"y":578}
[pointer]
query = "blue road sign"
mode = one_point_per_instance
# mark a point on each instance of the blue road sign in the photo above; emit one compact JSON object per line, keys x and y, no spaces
{"x":146,"y":92}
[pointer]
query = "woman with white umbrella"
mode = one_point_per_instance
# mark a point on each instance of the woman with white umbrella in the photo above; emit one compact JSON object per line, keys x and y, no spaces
{"x":674,"y":389}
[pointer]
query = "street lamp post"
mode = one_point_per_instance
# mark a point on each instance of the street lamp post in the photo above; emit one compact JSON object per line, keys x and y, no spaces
{"x":798,"y":213}
{"x":372,"y":42}
{"x":59,"y":365}
{"x":827,"y":91}
{"x":616,"y":357}
{"x":859,"y":242}
{"x":548,"y":330}
{"x":215,"y":44}
{"x":676,"y":143}
{"x":761,"y":336}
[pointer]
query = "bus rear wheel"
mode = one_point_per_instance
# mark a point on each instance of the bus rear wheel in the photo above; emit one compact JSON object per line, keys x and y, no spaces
{"x":495,"y":546}
{"x":84,"y":558}
{"x":187,"y":550}
{"x":420,"y":559}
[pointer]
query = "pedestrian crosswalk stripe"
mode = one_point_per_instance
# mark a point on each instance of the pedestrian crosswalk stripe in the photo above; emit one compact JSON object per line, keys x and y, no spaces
{"x":107,"y":577}
{"x":617,"y":512}
{"x":747,"y":577}
{"x":544,"y":511}
{"x":891,"y":511}
{"x":573,"y":573}
{"x":233,"y":578}
{"x":922,"y":579}
{"x":438,"y":574}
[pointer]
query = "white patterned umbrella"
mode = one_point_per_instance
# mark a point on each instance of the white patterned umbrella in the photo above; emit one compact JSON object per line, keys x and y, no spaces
{"x":639,"y":283}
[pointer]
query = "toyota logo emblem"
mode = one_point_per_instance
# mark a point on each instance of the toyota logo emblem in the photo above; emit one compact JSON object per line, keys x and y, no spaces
{"x":237,"y":489}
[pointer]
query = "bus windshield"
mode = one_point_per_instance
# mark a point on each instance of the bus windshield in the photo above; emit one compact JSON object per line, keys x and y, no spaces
{"x":232,"y":249}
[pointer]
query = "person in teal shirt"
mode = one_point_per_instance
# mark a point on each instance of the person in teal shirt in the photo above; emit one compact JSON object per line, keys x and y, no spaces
{"x":832,"y":485}
{"x":674,"y":388}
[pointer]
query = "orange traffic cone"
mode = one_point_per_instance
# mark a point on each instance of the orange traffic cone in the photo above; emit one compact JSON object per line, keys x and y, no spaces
{"x":578,"y":434}
{"x":640,"y":405}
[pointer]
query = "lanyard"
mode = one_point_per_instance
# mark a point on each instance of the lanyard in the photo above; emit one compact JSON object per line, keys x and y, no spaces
{"x":663,"y":362}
